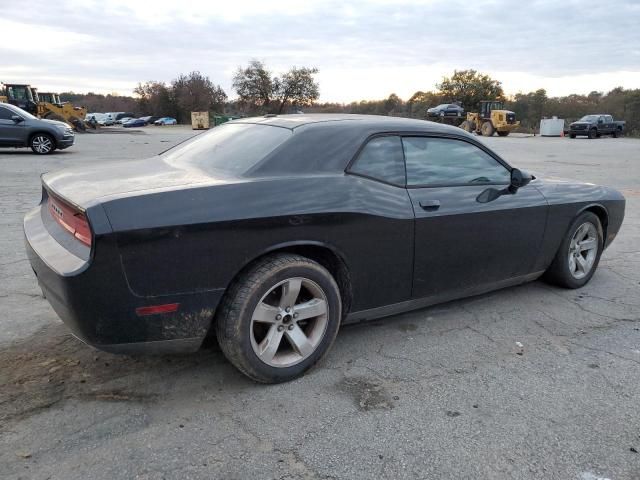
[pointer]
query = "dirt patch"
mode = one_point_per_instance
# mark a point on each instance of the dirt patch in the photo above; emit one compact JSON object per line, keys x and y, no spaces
{"x":368,"y":394}
{"x":52,"y":365}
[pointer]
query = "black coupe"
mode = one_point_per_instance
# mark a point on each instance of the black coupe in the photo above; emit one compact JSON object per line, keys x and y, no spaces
{"x":274,"y":231}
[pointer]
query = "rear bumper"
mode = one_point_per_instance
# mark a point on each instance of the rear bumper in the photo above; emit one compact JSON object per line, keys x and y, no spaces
{"x":93,"y":299}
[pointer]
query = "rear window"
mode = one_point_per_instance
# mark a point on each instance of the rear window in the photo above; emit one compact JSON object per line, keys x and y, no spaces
{"x":232,"y":148}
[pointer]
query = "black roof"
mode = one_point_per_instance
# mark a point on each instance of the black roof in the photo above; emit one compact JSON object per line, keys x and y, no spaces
{"x":324,"y":143}
{"x":351,"y":121}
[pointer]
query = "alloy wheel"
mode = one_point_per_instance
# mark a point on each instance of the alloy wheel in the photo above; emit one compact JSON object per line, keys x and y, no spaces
{"x":289,"y":322}
{"x":583,"y":250}
{"x":42,"y":144}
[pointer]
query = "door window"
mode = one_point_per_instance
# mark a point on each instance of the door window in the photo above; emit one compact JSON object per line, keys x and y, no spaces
{"x":5,"y":114}
{"x":381,"y":159}
{"x":441,"y":161}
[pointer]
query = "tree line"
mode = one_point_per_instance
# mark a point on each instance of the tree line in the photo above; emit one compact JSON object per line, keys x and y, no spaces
{"x":259,"y":91}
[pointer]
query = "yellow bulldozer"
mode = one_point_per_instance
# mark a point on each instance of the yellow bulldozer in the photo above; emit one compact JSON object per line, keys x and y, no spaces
{"x":43,"y":105}
{"x":491,"y":118}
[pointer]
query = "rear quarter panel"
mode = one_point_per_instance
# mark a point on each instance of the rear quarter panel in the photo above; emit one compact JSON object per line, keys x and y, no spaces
{"x":198,"y":239}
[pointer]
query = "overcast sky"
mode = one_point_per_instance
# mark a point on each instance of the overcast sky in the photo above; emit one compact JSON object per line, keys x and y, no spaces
{"x":363,"y":49}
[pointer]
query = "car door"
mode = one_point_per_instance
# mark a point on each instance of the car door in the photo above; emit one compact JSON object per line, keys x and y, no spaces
{"x":465,"y":237}
{"x":383,"y":265}
{"x":11,"y":133}
{"x":608,"y":119}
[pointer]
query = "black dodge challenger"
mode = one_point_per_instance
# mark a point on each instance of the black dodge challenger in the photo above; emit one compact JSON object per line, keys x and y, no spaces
{"x":272,"y":232}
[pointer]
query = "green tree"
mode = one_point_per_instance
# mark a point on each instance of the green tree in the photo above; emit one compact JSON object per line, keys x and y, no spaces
{"x":469,"y":87}
{"x":420,"y":101}
{"x":254,"y":85}
{"x":297,"y":87}
{"x":155,"y":98}
{"x":196,"y":93}
{"x":259,"y":91}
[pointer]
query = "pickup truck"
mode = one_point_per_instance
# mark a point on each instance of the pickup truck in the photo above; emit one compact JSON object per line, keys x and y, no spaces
{"x":594,"y":126}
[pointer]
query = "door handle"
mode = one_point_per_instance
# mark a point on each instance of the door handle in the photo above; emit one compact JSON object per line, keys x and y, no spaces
{"x":430,"y":204}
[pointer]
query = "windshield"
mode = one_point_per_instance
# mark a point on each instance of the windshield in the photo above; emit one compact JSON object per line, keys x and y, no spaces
{"x":589,"y":118}
{"x":230,"y":148}
{"x":19,"y":111}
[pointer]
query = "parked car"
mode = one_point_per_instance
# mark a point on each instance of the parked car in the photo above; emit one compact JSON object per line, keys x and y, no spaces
{"x":149,"y":119}
{"x":134,"y":122}
{"x":110,"y":118}
{"x":446,"y":110}
{"x":123,"y":120}
{"x":19,"y":128}
{"x":121,"y":115}
{"x":594,"y":126}
{"x":166,"y":121}
{"x":261,"y":229}
{"x":99,"y":118}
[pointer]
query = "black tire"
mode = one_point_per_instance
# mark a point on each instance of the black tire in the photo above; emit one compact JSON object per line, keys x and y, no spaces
{"x":504,"y":134}
{"x":559,"y":272}
{"x":616,"y":133}
{"x":487,"y":129}
{"x":42,"y":144}
{"x":572,"y":135}
{"x":233,"y":320}
{"x":593,"y":133}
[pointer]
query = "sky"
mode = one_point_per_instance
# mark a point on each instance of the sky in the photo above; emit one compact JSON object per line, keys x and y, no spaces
{"x":363,"y":49}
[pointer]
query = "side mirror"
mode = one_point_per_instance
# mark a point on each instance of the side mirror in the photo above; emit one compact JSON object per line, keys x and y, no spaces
{"x":520,"y":178}
{"x":17,"y":118}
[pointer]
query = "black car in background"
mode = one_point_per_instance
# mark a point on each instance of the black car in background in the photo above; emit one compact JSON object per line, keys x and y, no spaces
{"x":446,"y":110}
{"x":19,"y":128}
{"x":594,"y":126}
{"x":275,"y":231}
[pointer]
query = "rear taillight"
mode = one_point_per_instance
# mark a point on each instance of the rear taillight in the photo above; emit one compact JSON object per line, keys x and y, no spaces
{"x":70,"y":219}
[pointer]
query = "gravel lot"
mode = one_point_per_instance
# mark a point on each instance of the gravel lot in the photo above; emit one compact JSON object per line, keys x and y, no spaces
{"x":441,"y":393}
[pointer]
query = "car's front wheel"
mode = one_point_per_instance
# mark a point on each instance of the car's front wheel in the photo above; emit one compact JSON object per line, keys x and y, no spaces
{"x":279,"y":318}
{"x":42,"y":144}
{"x":578,"y":256}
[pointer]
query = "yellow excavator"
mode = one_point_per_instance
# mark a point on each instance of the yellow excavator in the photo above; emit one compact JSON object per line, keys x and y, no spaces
{"x":491,"y":118}
{"x":43,"y":105}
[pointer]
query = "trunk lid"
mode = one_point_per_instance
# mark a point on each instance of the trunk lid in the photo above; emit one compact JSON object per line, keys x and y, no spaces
{"x":84,"y":185}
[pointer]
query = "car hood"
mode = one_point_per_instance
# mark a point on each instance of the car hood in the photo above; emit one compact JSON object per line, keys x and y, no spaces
{"x":580,"y":123}
{"x":87,"y":185}
{"x":562,"y":190}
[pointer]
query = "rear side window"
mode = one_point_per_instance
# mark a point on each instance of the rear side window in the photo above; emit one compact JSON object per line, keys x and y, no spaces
{"x":381,"y":159}
{"x":5,"y":114}
{"x":232,"y":148}
{"x":442,"y":161}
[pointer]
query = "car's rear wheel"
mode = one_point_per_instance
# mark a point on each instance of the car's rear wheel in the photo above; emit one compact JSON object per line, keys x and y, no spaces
{"x":279,"y":318}
{"x":42,"y":144}
{"x":578,"y":256}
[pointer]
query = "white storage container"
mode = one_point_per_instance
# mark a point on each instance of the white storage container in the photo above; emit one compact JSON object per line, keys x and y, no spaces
{"x":551,"y":127}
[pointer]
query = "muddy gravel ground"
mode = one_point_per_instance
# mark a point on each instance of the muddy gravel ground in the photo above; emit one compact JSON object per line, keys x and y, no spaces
{"x":444,"y":392}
